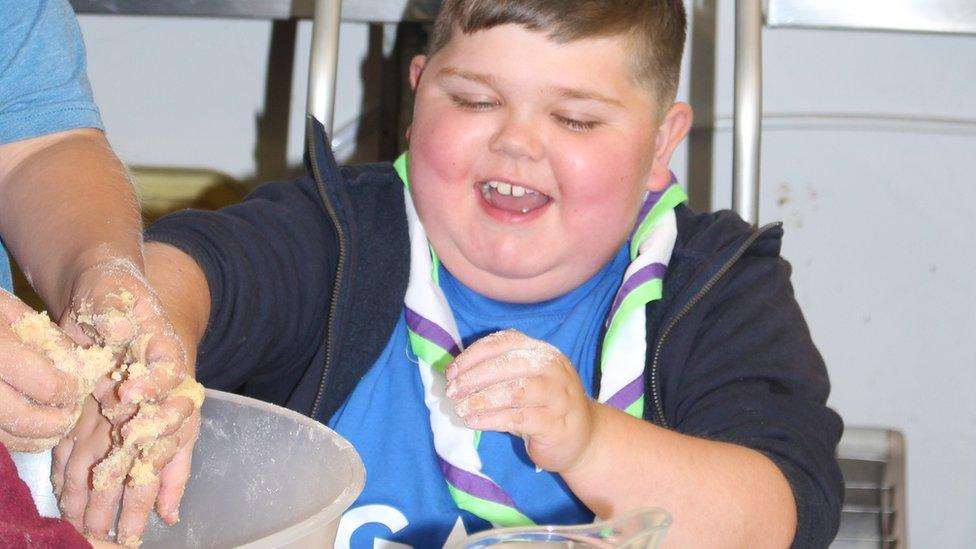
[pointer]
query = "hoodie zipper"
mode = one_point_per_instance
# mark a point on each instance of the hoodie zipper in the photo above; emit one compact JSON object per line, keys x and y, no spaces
{"x":330,"y":326}
{"x":655,"y":385}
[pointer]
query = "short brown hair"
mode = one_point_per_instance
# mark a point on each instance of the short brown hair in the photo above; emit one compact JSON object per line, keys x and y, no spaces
{"x":656,"y":29}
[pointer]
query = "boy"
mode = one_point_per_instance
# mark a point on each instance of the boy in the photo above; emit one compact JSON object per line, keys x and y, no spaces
{"x":520,"y":321}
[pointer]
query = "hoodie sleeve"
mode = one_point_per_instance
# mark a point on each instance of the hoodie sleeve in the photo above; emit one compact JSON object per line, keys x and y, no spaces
{"x":268,"y":261}
{"x":20,"y":523}
{"x":753,"y":377}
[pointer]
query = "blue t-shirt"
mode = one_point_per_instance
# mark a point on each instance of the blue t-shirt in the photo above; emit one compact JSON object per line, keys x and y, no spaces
{"x":43,"y":86}
{"x":406,"y":499}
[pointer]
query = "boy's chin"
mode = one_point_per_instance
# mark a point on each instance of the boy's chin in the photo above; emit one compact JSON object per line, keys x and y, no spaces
{"x":517,"y":285}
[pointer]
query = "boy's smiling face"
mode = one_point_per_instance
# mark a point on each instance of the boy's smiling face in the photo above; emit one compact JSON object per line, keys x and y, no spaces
{"x":529,"y":158}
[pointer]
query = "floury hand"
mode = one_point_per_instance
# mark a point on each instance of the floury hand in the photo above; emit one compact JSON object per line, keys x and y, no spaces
{"x":510,"y":382}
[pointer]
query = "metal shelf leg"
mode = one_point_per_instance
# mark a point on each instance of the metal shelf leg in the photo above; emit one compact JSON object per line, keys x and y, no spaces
{"x":747,"y":125}
{"x":324,"y":61}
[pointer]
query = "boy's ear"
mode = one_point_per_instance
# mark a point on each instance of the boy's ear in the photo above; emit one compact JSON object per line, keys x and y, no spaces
{"x":672,"y":130}
{"x":417,"y":65}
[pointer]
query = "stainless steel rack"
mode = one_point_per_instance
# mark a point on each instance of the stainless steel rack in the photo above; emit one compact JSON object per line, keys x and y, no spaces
{"x":872,"y":460}
{"x":873,"y":464}
{"x":918,"y":16}
{"x":368,"y":11}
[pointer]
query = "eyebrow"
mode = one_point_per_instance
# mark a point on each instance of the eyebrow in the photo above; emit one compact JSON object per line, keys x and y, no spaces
{"x":478,"y":77}
{"x":574,"y":93}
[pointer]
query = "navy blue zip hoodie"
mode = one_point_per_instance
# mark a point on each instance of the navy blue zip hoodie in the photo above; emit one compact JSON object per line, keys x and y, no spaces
{"x":307,"y":280}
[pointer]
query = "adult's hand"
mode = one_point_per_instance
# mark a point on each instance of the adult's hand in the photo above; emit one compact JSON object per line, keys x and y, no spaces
{"x":113,"y":305}
{"x":38,"y":402}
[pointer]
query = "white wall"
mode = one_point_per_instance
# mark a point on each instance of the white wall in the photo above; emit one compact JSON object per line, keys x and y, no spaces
{"x":879,"y":227}
{"x":868,"y":156}
{"x":187,"y":92}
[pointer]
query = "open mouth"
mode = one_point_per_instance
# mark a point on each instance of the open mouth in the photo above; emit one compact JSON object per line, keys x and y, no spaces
{"x":511,"y":198}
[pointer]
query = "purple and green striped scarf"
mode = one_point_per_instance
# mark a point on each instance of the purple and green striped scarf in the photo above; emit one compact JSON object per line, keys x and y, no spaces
{"x":435,"y":340}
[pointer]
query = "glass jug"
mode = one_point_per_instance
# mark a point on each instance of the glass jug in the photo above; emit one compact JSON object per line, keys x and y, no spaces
{"x":640,"y":529}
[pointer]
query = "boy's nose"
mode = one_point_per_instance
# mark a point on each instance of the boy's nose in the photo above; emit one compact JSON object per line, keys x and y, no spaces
{"x":517,"y":138}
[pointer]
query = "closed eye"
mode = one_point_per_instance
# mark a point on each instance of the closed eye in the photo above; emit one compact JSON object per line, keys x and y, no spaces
{"x":574,"y":124}
{"x":477,"y":106}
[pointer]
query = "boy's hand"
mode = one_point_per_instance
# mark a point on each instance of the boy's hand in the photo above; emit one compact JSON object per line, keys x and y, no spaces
{"x":92,"y":511}
{"x":510,"y":382}
{"x":38,"y":402}
{"x":112,"y":304}
{"x":73,"y":458}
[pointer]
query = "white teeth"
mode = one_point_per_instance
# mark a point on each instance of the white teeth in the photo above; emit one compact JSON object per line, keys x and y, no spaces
{"x":506,"y":189}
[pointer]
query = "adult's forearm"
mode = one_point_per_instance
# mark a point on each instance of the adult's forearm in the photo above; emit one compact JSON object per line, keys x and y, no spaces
{"x":67,"y":203}
{"x":719,"y":495}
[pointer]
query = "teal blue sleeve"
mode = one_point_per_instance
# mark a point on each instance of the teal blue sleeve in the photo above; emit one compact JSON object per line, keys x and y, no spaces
{"x":43,"y":85}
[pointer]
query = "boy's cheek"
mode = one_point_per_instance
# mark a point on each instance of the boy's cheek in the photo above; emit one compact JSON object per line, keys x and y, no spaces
{"x":437,"y":121}
{"x":441,"y":152}
{"x":606,"y":166}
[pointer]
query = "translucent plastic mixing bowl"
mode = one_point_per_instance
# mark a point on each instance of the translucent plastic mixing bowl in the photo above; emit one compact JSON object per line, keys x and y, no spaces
{"x":262,"y":477}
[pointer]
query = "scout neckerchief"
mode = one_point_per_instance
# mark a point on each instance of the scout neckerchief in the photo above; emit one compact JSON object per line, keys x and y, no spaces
{"x":435,"y":340}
